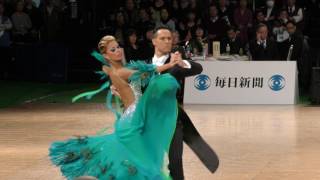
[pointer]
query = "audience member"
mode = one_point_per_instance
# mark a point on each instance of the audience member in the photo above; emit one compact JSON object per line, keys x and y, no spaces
{"x":263,"y":47}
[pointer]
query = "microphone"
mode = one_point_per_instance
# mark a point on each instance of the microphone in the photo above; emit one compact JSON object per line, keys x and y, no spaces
{"x":290,"y":53}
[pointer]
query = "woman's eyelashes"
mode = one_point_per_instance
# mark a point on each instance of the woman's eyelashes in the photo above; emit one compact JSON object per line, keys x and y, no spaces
{"x":115,"y":48}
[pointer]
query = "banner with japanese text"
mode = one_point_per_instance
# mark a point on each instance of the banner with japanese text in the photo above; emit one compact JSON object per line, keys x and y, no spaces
{"x":243,"y":82}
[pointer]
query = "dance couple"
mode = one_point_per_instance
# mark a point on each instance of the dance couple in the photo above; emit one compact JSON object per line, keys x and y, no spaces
{"x":150,"y":123}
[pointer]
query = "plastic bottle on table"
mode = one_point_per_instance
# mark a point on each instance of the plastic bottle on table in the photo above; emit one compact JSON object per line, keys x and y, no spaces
{"x":228,"y":49}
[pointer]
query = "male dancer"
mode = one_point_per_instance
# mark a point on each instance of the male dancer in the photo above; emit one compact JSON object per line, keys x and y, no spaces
{"x":185,"y":130}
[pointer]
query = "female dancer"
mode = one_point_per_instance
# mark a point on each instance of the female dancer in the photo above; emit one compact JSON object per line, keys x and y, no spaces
{"x":138,"y":147}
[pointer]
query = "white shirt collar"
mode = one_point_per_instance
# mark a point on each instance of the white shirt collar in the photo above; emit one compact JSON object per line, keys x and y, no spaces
{"x":269,"y":10}
{"x":292,"y":8}
{"x":214,"y":19}
{"x":159,"y":61}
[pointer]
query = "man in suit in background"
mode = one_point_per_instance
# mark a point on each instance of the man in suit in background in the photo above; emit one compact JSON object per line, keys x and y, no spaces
{"x":215,"y":26}
{"x":300,"y":54}
{"x":295,"y":39}
{"x":233,"y":40}
{"x":185,"y":130}
{"x":262,"y":47}
{"x":270,"y":12}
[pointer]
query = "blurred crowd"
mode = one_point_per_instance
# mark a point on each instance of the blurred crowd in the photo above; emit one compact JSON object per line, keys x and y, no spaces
{"x":242,"y":25}
{"x":263,"y":30}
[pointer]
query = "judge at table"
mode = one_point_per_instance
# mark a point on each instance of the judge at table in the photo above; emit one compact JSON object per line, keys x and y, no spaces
{"x":262,"y":47}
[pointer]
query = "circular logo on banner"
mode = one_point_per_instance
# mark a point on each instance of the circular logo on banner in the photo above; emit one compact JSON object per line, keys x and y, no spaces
{"x":202,"y":82}
{"x":277,"y":82}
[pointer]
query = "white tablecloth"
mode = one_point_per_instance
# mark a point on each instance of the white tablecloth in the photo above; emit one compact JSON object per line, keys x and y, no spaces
{"x":222,"y":58}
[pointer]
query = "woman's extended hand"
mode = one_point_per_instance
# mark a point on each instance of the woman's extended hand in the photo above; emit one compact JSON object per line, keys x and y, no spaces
{"x":115,"y":91}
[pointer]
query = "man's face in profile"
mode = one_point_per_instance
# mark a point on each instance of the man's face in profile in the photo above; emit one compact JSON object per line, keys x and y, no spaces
{"x":162,"y":41}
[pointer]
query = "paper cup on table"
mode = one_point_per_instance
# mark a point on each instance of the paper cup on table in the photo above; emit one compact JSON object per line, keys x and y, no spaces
{"x":216,"y":49}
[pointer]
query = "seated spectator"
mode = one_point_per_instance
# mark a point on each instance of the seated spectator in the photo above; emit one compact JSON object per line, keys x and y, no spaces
{"x":178,"y":46}
{"x":281,"y":35}
{"x":21,"y":24}
{"x":300,"y":54}
{"x":184,"y":9}
{"x":243,"y":20}
{"x":146,"y":44}
{"x":52,"y":27}
{"x":198,"y":40}
{"x":174,"y":9}
{"x":270,"y":12}
{"x":225,"y":11}
{"x":260,"y":19}
{"x":186,"y":26}
{"x":192,"y":20}
{"x":195,"y":7}
{"x":295,"y":39}
{"x":144,"y":21}
{"x":262,"y":47}
{"x":295,"y":13}
{"x":156,"y":10}
{"x":283,"y":16}
{"x":215,"y":26}
{"x":35,"y":16}
{"x":5,"y":27}
{"x":280,"y":32}
{"x":232,"y":39}
{"x":130,"y":12}
{"x":176,"y":39}
{"x":165,"y":20}
{"x":131,"y":49}
{"x":119,"y":27}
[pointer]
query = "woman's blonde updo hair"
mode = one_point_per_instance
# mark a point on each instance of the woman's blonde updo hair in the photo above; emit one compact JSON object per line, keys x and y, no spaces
{"x":103,"y":43}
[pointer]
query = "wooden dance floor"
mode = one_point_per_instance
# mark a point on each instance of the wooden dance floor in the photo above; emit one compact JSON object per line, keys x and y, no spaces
{"x":253,"y":142}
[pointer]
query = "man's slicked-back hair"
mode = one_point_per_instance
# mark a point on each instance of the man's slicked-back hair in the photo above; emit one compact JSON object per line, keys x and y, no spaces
{"x":260,"y":25}
{"x":232,"y":28}
{"x":291,"y":22}
{"x":157,"y":29}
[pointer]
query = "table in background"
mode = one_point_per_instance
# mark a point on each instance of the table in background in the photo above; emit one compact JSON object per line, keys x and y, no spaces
{"x":243,"y":82}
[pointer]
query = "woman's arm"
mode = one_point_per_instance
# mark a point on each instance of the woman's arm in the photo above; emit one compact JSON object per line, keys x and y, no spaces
{"x":175,"y":59}
{"x":125,"y":73}
{"x":121,"y":85}
{"x":120,"y":77}
{"x":165,"y":67}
